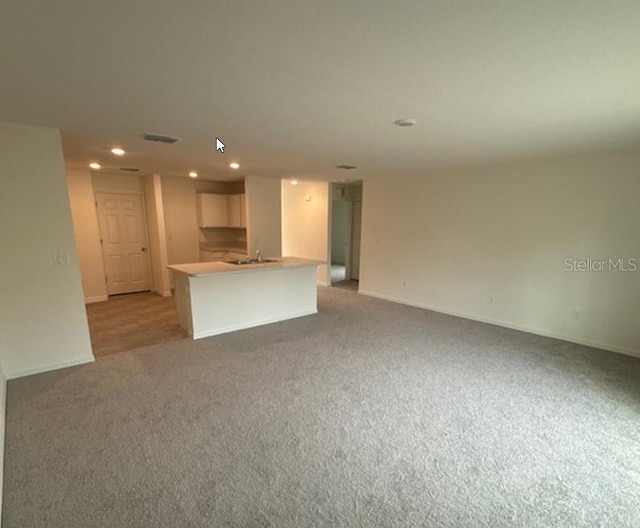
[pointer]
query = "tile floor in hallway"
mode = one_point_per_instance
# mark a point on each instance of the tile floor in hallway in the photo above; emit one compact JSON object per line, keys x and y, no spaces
{"x":130,"y":321}
{"x":339,"y":280}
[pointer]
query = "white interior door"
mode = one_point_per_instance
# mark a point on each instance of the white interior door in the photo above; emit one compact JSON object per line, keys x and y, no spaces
{"x":124,"y":242}
{"x":355,"y":240}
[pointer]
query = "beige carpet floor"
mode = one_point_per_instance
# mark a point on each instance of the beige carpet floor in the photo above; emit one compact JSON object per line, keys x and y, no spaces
{"x":367,"y":414}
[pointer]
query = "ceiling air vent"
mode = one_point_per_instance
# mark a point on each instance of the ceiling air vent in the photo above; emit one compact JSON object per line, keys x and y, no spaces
{"x":160,"y":138}
{"x":346,"y":167}
{"x":129,"y":169}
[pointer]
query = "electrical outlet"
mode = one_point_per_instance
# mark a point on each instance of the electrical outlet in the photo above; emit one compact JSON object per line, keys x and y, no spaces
{"x":491,"y":299}
{"x":575,"y":314}
{"x":404,"y":283}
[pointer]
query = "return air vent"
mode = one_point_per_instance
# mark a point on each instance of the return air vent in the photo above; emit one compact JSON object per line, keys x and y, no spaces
{"x":129,"y":169}
{"x":160,"y":138}
{"x":346,"y":167}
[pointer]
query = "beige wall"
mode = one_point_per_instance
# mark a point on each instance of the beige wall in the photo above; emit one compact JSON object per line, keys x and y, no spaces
{"x":305,"y":223}
{"x":157,"y":235}
{"x":43,"y":322}
{"x":117,"y":183}
{"x":179,"y":199}
{"x":490,"y":244}
{"x":87,"y":235}
{"x":264,"y":231}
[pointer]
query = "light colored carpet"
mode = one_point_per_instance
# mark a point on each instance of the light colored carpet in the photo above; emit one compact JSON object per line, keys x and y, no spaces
{"x":367,"y":414}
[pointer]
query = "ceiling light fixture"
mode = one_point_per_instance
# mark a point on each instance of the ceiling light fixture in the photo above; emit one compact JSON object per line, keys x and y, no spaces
{"x":193,"y":174}
{"x":117,"y":151}
{"x":95,"y":165}
{"x":234,"y":165}
{"x":294,"y":182}
{"x":405,"y":122}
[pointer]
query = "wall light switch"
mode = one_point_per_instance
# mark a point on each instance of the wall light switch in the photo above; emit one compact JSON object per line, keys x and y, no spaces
{"x":60,"y":259}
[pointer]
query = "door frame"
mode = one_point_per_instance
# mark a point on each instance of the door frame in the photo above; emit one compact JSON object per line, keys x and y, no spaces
{"x":349,"y":248}
{"x":351,"y":244}
{"x":347,"y":257}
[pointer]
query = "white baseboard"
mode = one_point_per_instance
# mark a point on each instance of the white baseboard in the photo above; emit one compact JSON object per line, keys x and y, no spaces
{"x":96,"y":299}
{"x":251,"y":325}
{"x":543,"y":333}
{"x":47,"y":368}
{"x":3,"y":413}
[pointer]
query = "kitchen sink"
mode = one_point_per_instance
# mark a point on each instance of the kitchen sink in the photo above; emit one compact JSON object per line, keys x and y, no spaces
{"x":252,"y":261}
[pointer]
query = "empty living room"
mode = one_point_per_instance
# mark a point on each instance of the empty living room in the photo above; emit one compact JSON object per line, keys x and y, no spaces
{"x":172,"y":175}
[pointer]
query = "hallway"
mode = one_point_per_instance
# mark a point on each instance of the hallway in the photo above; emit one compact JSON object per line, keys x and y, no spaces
{"x":339,"y":280}
{"x":135,"y":320}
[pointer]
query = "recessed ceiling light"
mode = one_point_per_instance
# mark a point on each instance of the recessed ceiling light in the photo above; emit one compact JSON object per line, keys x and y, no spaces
{"x":95,"y":165}
{"x":193,"y":174}
{"x":294,"y":182}
{"x":117,"y":151}
{"x":234,"y":165}
{"x":405,"y":122}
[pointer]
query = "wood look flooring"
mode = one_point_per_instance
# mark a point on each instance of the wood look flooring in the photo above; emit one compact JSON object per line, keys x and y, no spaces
{"x":351,"y":285}
{"x":127,"y":322}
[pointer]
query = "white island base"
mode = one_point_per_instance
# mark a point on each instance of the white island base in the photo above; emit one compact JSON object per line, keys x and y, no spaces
{"x":218,"y":297}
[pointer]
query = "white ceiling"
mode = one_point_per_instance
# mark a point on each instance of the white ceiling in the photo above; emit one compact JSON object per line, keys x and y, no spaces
{"x":296,"y":87}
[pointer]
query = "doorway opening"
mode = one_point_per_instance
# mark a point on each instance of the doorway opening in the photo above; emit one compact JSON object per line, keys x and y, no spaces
{"x":346,"y":219}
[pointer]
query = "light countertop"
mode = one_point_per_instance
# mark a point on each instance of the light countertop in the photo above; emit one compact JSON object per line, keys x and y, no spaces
{"x":198,"y":269}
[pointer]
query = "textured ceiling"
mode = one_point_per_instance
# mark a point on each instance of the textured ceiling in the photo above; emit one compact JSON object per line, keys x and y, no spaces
{"x":296,"y":87}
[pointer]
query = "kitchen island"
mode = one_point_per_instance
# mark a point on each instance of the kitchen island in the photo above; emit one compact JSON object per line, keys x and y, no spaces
{"x":218,"y":297}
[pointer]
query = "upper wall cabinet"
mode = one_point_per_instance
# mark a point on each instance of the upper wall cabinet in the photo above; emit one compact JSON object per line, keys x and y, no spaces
{"x":221,"y":210}
{"x":211,"y":209}
{"x":235,"y":210}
